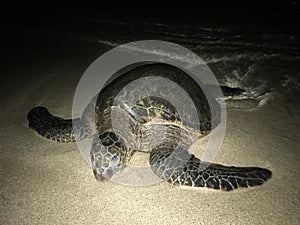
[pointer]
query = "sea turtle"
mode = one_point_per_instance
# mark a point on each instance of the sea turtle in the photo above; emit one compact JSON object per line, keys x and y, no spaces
{"x":150,"y":124}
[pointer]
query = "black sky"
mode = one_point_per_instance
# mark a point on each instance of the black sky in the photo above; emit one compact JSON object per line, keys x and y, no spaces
{"x":284,"y":13}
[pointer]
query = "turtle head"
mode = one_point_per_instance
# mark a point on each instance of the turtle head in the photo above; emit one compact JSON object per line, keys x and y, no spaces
{"x":108,"y":156}
{"x":106,"y":163}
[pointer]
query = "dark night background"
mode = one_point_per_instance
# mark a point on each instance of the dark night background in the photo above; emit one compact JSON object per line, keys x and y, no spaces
{"x":275,"y":13}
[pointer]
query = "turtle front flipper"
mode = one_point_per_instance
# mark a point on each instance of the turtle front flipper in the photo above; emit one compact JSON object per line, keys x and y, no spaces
{"x":180,"y":167}
{"x":56,"y":128}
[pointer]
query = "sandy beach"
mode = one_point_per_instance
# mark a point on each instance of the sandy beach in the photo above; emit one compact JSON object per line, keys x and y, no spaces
{"x":44,"y":182}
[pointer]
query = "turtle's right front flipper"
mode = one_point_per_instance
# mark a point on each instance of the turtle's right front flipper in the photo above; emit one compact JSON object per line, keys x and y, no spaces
{"x":56,"y":128}
{"x":180,"y":167}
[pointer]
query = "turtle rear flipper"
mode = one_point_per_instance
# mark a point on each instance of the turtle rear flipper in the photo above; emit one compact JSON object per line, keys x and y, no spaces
{"x":180,"y":167}
{"x":225,"y":91}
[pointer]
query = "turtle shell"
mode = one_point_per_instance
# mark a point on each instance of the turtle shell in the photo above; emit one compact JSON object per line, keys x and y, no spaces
{"x":155,"y":93}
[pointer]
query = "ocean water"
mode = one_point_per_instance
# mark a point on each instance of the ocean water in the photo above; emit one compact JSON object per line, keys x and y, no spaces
{"x":261,"y":58}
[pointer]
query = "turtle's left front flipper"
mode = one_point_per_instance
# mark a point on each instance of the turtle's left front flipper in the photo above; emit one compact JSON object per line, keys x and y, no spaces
{"x":180,"y":167}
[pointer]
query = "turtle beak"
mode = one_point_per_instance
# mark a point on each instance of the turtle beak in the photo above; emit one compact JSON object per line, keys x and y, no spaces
{"x":99,"y":177}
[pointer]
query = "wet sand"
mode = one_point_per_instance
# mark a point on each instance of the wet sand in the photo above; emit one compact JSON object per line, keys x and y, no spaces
{"x":43,"y":182}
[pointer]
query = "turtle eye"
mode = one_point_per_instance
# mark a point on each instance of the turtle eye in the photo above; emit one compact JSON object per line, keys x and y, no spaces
{"x":114,"y":158}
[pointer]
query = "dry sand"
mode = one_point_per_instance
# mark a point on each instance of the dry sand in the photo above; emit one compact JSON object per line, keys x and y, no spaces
{"x":44,"y":182}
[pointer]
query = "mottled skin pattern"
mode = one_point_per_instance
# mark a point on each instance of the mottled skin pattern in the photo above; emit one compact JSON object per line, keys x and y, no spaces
{"x":149,"y":124}
{"x":56,"y":128}
{"x":185,"y":169}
